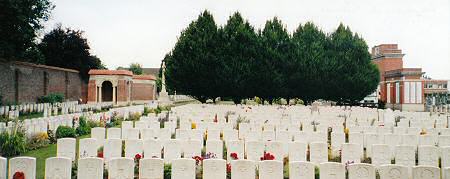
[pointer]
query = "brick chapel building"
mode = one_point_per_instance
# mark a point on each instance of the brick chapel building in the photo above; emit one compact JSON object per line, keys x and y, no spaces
{"x":405,"y":88}
{"x":120,"y":87}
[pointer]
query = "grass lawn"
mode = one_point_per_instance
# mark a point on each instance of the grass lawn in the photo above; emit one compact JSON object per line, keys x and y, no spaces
{"x":43,"y":153}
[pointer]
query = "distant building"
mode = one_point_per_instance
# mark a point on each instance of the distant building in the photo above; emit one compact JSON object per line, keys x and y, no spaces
{"x":405,"y":88}
{"x":120,"y":87}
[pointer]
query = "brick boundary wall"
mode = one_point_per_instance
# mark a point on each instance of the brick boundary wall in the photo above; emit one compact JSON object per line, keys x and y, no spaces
{"x":23,"y":82}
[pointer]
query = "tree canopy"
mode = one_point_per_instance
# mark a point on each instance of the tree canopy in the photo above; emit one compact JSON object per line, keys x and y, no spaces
{"x":238,"y":62}
{"x":67,"y":48}
{"x":136,"y":68}
{"x":20,"y":23}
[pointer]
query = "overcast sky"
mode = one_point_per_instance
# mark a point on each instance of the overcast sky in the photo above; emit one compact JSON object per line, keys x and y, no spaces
{"x":121,"y":32}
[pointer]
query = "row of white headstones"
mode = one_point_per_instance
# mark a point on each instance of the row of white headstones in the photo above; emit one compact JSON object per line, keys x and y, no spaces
{"x":123,"y":168}
{"x":188,"y":146}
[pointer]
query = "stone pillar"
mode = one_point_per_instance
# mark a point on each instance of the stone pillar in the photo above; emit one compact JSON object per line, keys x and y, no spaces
{"x":114,"y":94}
{"x":100,"y":94}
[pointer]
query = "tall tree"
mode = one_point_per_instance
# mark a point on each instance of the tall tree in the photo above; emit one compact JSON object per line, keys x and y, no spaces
{"x":136,"y":68}
{"x":355,"y":76}
{"x":238,"y":50}
{"x":191,"y":68}
{"x":68,"y":48}
{"x":20,"y":22}
{"x":273,"y":69}
{"x":310,"y":78}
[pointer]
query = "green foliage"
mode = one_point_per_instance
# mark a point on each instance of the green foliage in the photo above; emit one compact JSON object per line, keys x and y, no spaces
{"x":65,"y":131}
{"x":316,"y":173}
{"x":68,"y":48}
{"x":38,"y":141}
{"x":136,"y":68}
{"x":83,"y":127}
{"x":167,"y":171}
{"x":51,"y":137}
{"x":236,"y":62}
{"x":51,"y":98}
{"x":20,"y":24}
{"x":12,"y":144}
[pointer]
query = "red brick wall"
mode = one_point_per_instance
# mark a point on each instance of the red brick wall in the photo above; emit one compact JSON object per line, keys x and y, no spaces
{"x":122,"y":90}
{"x":142,"y":91}
{"x":387,"y":64}
{"x":92,"y":91}
{"x":24,"y":83}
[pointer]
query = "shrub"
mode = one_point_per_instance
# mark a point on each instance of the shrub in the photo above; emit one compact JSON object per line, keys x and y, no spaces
{"x":12,"y":144}
{"x":38,"y":141}
{"x":83,"y":128}
{"x":167,"y":171}
{"x":135,"y":117}
{"x":65,"y":131}
{"x":51,"y":136}
{"x":52,"y":98}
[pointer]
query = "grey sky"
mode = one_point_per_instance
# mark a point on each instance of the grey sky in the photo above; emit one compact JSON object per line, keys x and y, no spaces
{"x":121,"y":32}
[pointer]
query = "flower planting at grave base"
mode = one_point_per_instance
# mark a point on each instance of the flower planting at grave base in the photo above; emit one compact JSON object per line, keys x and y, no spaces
{"x":267,"y":156}
{"x":137,"y":158}
{"x":19,"y":175}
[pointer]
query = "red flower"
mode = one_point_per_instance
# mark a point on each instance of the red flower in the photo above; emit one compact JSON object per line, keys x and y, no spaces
{"x":19,"y":175}
{"x":137,"y":156}
{"x":100,"y":154}
{"x":267,"y":156}
{"x":228,"y":168}
{"x":197,"y":159}
{"x":234,"y":156}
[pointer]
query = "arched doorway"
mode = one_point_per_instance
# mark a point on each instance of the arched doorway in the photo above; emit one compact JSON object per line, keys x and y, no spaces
{"x":107,"y":91}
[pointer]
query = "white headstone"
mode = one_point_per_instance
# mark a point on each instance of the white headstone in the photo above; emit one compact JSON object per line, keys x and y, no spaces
{"x":114,"y":133}
{"x":121,"y":168}
{"x":318,"y":152}
{"x":297,"y":151}
{"x":215,"y":147}
{"x":405,"y":155}
{"x":214,"y":169}
{"x":172,"y":150}
{"x":381,"y":154}
{"x":133,"y":147}
{"x":87,"y":148}
{"x":426,"y":172}
{"x":99,"y":134}
{"x":183,"y":168}
{"x":332,"y":170}
{"x":428,"y":155}
{"x":337,"y":139}
{"x":361,"y":171}
{"x":152,"y":148}
{"x":130,"y":134}
{"x":151,"y":168}
{"x":27,"y":165}
{"x":276,"y":149}
{"x":90,"y":167}
{"x":254,"y":150}
{"x":58,"y":167}
{"x":192,"y":148}
{"x":393,"y":172}
{"x":301,"y":170}
{"x":3,"y":164}
{"x":356,"y":138}
{"x":243,"y":169}
{"x":66,"y":148}
{"x":112,"y":149}
{"x":235,"y":146}
{"x":351,"y":153}
{"x":270,"y":169}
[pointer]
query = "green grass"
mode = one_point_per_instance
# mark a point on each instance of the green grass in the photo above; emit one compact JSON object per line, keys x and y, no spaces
{"x":43,"y":153}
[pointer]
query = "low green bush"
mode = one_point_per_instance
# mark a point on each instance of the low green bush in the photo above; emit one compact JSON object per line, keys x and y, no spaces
{"x":65,"y":131}
{"x":12,"y":144}
{"x":52,"y":98}
{"x":83,"y":127}
{"x":167,"y":171}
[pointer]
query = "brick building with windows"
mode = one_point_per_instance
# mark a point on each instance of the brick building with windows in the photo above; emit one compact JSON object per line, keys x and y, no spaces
{"x":405,"y":88}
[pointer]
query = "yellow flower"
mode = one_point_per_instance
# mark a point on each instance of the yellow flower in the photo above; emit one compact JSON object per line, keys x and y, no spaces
{"x":346,"y":130}
{"x":193,"y":125}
